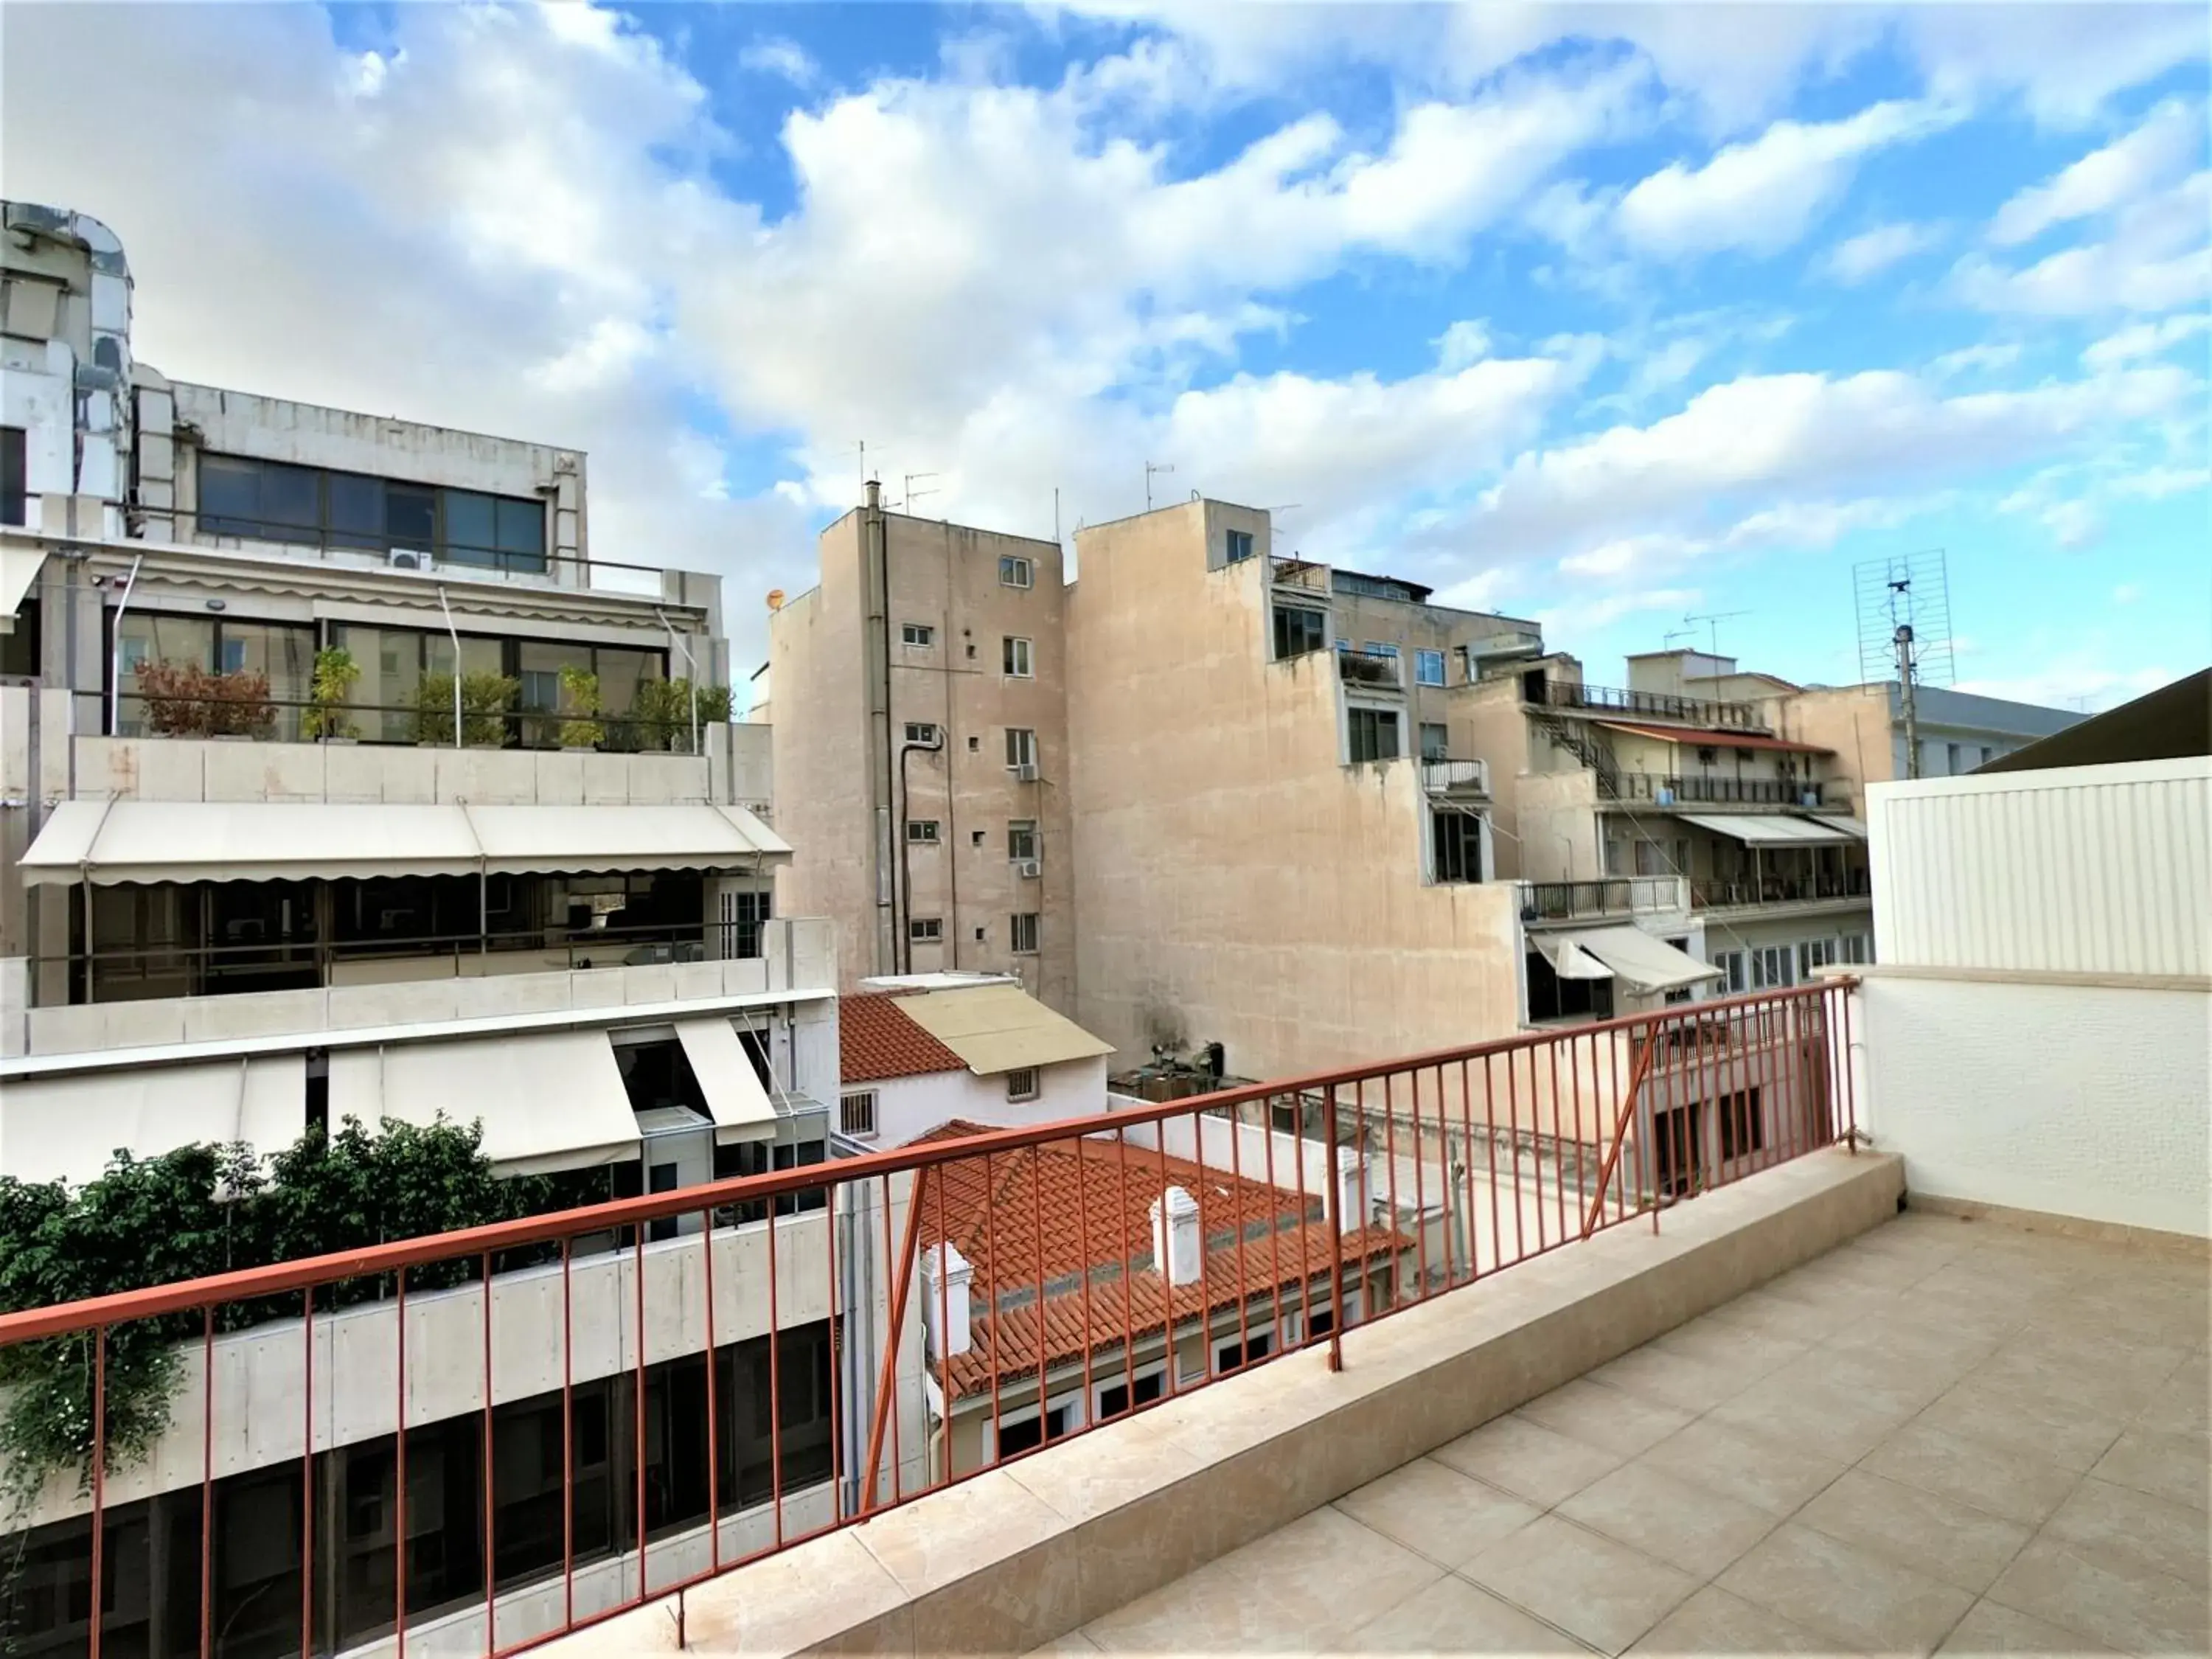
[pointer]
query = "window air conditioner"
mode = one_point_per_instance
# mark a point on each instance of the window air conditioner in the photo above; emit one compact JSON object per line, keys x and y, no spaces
{"x":1030,"y":868}
{"x":410,"y":558}
{"x":1025,"y":773}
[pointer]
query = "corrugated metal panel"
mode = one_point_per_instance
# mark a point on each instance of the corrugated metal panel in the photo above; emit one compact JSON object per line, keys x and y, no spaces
{"x":2086,"y":870}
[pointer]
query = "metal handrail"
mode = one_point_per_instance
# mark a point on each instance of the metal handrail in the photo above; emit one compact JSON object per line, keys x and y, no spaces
{"x":516,"y":724}
{"x":1656,"y":705}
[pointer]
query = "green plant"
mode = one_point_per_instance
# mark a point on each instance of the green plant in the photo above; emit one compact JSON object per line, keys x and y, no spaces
{"x":579,"y":705}
{"x":183,"y":700}
{"x":664,"y":711}
{"x":328,"y":692}
{"x":487,"y":700}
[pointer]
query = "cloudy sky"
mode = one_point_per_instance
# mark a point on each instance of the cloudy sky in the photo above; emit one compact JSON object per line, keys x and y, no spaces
{"x":1612,"y":314}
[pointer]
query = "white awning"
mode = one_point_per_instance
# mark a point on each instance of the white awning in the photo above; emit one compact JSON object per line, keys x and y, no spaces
{"x":1638,"y":959}
{"x":552,"y":1101}
{"x":1568,"y":959}
{"x":740,"y":1106}
{"x":136,"y":840}
{"x":1779,"y":830}
{"x":19,"y":568}
{"x":67,"y":1128}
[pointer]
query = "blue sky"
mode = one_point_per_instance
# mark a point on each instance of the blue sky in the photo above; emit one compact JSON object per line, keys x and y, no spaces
{"x":1609,"y":314}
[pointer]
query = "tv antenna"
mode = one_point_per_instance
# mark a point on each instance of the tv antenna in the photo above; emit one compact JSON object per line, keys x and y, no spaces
{"x":1151,"y":468}
{"x":1667,"y":640}
{"x":905,"y":485}
{"x":1903,"y":606}
{"x":1712,"y":621}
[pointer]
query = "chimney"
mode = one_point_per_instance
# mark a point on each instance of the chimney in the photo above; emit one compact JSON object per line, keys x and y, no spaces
{"x":1177,"y":1251}
{"x":945,"y":1274}
{"x":1351,"y":1190}
{"x":875,"y":494}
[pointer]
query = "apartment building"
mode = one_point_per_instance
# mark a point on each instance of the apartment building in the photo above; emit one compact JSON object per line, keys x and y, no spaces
{"x":340,"y":777}
{"x":919,"y":722}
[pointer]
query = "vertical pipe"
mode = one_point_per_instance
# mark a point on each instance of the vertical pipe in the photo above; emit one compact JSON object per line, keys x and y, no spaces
{"x":569,"y":1439}
{"x":1845,"y":1065}
{"x":207,"y":1483}
{"x":115,"y":656}
{"x":399,"y":1478}
{"x":637,"y":1403}
{"x":776,"y":1387}
{"x":453,"y":633}
{"x":308,"y":1477}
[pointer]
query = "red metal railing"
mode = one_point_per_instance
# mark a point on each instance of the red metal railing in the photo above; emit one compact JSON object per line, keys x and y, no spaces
{"x":625,"y":1400}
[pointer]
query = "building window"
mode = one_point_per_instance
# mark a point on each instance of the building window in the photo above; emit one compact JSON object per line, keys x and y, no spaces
{"x":1772,"y":967}
{"x":1380,"y":648}
{"x":1021,"y":839}
{"x":1814,"y":953}
{"x":1743,"y":1125}
{"x":1026,"y":932}
{"x":14,"y":489}
{"x":1014,"y":657}
{"x":1457,"y":838}
{"x":1373,"y":734}
{"x":1031,"y":1430}
{"x":744,"y":915}
{"x":1015,"y":571}
{"x":1436,"y":740}
{"x":925,"y":930}
{"x":917,"y":634}
{"x":1951,"y":755}
{"x":1021,"y":748}
{"x":856,"y":1114}
{"x":1675,"y":1153}
{"x":922,"y":734}
{"x":1551,"y":997}
{"x":975,"y":746}
{"x":1428,"y":667}
{"x":1234,"y":1356}
{"x":921,"y":829}
{"x":276,"y":501}
{"x":1115,"y":1398}
{"x":1022,"y":1084}
{"x":1731,"y":964}
{"x":1240,"y":546}
{"x":1299,"y":631}
{"x":1855,"y":948}
{"x":1989,"y":754}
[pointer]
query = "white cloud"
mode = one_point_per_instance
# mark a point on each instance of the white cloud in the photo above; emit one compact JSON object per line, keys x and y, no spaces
{"x":785,"y":59}
{"x":2126,"y":594}
{"x":2155,"y":483}
{"x":2155,"y":152}
{"x":2073,"y":683}
{"x":2074,"y":525}
{"x":1873,"y":251}
{"x":2140,"y":340}
{"x":2157,"y":257}
{"x":1465,"y":342}
{"x":1760,"y":196}
{"x":1985,"y":358}
{"x":2064,"y":62}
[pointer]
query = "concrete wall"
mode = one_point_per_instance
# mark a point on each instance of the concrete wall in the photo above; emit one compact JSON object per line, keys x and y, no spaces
{"x":907,"y":1107}
{"x":1235,"y":882}
{"x":65,"y":365}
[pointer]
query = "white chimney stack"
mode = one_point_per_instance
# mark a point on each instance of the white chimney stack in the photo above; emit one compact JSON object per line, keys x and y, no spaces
{"x":945,"y":1274}
{"x":1351,"y":1190}
{"x":1177,"y":1251}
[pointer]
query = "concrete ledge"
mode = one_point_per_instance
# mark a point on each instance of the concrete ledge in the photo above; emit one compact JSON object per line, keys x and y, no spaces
{"x":1021,"y":1555}
{"x":2156,"y":1240}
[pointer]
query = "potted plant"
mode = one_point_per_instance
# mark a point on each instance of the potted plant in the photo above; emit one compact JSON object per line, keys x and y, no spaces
{"x":183,"y":700}
{"x":580,"y":727}
{"x":487,"y":700}
{"x":329,"y":690}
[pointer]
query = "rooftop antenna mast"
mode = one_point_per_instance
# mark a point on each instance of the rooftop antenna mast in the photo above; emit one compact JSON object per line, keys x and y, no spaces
{"x":1903,"y":606}
{"x":1712,"y":622}
{"x":1667,"y":640}
{"x":1151,"y":469}
{"x":905,"y":485}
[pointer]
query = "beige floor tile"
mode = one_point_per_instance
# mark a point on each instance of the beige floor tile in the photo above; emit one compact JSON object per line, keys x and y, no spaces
{"x":1992,"y":1627}
{"x":2133,"y":1529}
{"x":2168,"y":1466}
{"x":1604,"y":1593}
{"x":1770,"y":1313}
{"x":1453,"y":1616}
{"x":2183,"y":1404}
{"x":1819,"y":1416}
{"x":1074,"y":1646}
{"x":2023,"y":1489}
{"x":2132,"y":1608}
{"x":1685,"y":1526}
{"x":1672,"y":1379}
{"x":1939,"y":1536}
{"x":1714,"y":1622}
{"x":1431,"y":1508}
{"x":2024,"y":1421}
{"x":2101,"y":1377}
{"x":1862,"y":1599}
{"x":1304,"y":1587}
{"x":1609,"y":1419}
{"x":1749,"y":1354}
{"x":1773,"y":1476}
{"x":1527,"y":1459}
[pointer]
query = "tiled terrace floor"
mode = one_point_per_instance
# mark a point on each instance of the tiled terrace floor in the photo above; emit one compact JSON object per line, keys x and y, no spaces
{"x":1947,"y":1435}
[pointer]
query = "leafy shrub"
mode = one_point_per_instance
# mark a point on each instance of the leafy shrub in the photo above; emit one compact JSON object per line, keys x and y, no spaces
{"x":183,"y":700}
{"x":487,"y":700}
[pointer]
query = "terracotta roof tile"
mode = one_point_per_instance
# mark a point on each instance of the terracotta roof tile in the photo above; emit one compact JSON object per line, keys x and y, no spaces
{"x":1078,"y":1215}
{"x":876,"y":1042}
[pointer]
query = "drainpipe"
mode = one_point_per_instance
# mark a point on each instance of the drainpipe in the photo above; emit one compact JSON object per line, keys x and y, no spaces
{"x":902,"y":911}
{"x":453,"y":633}
{"x":115,"y":661}
{"x":875,"y":552}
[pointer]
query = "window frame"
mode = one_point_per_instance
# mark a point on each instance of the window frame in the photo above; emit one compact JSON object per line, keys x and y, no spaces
{"x":1021,"y":747}
{"x":1016,"y":657}
{"x":924,"y":735}
{"x":1017,"y":831}
{"x":1234,"y":540}
{"x":925,"y":930}
{"x":1426,"y":658}
{"x":917,"y":636}
{"x":1016,"y":1093}
{"x":923,"y":832}
{"x":1310,"y":622}
{"x":1354,"y":714}
{"x":1015,"y":930}
{"x":1016,"y":570}
{"x":867,"y":1101}
{"x":328,"y":534}
{"x":15,"y":474}
{"x":1442,"y":729}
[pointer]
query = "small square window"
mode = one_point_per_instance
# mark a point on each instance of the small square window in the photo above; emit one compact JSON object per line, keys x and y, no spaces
{"x":921,"y":829}
{"x":922,"y":732}
{"x":975,"y":746}
{"x":1021,"y":839}
{"x":925,"y":930}
{"x":856,"y":1114}
{"x":1016,"y":572}
{"x":1014,"y":657}
{"x":982,"y":935}
{"x":917,"y":634}
{"x":975,"y":837}
{"x":1240,"y":546}
{"x":1428,"y":668}
{"x":1024,"y":932}
{"x":1022,"y":1084}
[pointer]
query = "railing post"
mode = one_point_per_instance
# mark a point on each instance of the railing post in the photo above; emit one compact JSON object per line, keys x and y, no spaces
{"x":1335,"y":1233}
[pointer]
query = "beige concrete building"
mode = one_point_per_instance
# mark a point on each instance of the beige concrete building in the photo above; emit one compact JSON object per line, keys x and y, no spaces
{"x":920,"y":700}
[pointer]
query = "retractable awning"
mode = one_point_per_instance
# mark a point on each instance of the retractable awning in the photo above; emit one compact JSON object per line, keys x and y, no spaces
{"x":738,"y":1104}
{"x":551,"y":1101}
{"x":1628,"y":954}
{"x":1779,"y":830}
{"x":136,"y":840}
{"x":19,"y":568}
{"x":67,"y":1128}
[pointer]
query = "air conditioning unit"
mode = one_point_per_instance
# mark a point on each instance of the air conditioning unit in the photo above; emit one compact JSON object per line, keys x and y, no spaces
{"x":1025,"y":773}
{"x":1029,"y":868}
{"x":410,"y":558}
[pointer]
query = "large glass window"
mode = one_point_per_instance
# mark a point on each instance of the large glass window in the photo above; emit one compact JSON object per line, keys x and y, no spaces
{"x":1298,"y":631}
{"x":144,"y":638}
{"x":274,"y":500}
{"x":1373,"y":734}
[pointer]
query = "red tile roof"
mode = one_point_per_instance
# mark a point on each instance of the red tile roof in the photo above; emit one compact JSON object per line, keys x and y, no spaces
{"x":1078,"y":1215}
{"x":876,"y":1042}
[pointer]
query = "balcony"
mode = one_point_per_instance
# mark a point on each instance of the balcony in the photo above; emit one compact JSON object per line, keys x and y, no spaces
{"x":1469,"y":778}
{"x":1369,"y":672}
{"x":1781,"y":889}
{"x":1644,"y":705}
{"x":1623,"y":896}
{"x":239,"y":707}
{"x":1662,"y":791}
